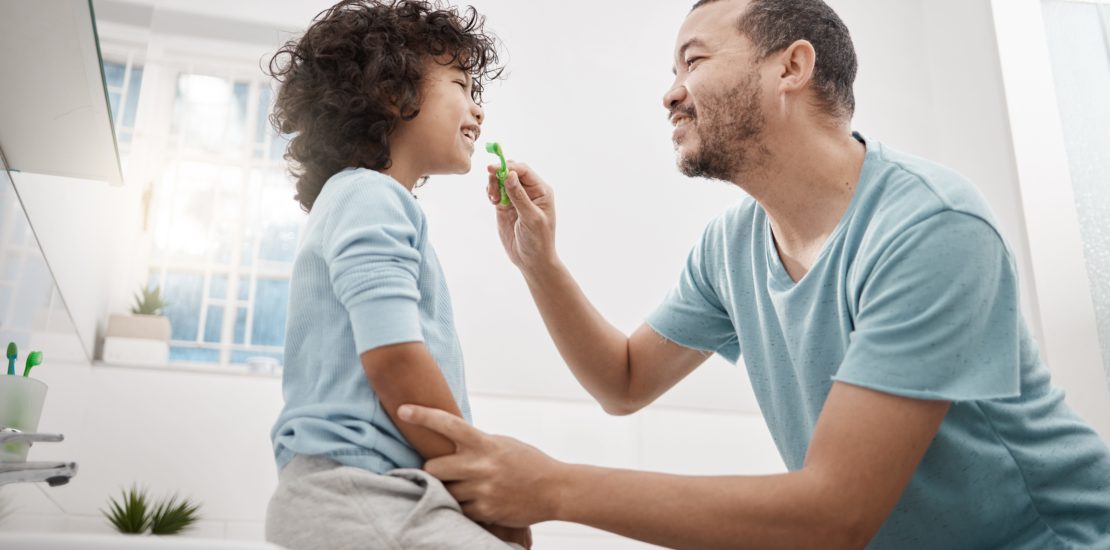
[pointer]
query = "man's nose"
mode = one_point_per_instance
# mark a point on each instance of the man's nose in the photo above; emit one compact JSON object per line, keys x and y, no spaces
{"x":478,"y":113}
{"x":674,"y":96}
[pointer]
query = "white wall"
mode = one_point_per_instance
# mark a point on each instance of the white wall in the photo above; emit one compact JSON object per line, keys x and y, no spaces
{"x":588,"y":117}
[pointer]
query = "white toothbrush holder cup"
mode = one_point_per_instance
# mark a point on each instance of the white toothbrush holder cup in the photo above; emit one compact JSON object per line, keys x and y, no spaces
{"x":21,"y":401}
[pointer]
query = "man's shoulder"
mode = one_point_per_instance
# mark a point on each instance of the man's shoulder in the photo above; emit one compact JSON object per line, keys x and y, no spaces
{"x":733,"y":224}
{"x":906,"y":194}
{"x":910,"y":188}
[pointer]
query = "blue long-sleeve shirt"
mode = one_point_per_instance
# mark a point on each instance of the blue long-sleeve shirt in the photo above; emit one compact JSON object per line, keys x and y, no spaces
{"x":365,"y":276}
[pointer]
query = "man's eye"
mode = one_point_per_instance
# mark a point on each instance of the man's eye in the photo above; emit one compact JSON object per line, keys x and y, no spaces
{"x":690,"y":62}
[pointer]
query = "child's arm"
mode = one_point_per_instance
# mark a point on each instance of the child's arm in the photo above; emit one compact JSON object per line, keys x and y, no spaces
{"x":407,"y":373}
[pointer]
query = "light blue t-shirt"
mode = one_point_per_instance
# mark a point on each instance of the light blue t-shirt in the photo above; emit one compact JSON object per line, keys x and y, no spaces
{"x":365,"y":276}
{"x":914,"y":294}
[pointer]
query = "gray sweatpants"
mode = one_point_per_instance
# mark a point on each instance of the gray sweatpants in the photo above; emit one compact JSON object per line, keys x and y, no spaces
{"x":322,"y":504}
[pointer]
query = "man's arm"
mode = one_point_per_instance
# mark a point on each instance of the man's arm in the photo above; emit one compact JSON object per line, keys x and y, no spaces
{"x":623,"y":374}
{"x":407,"y":373}
{"x":864,"y":450}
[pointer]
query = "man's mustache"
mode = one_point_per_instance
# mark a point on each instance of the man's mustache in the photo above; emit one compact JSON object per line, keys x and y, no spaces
{"x":685,"y":110}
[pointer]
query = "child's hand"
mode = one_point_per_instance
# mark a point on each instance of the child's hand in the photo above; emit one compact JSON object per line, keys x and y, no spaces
{"x":527,"y":226}
{"x":519,"y":535}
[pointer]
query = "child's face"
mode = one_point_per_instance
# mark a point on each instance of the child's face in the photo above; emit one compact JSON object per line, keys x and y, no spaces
{"x":442,"y":138}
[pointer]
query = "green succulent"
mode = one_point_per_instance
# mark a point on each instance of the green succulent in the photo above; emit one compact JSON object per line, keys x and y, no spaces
{"x":172,"y":516}
{"x":131,"y":514}
{"x":135,"y":513}
{"x":148,"y":301}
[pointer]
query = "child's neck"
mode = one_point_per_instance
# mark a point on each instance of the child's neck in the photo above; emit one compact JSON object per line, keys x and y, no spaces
{"x":408,"y":178}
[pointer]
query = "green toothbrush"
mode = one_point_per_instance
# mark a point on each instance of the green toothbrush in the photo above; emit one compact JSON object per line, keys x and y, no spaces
{"x":13,"y":352}
{"x":503,"y":173}
{"x":33,"y":360}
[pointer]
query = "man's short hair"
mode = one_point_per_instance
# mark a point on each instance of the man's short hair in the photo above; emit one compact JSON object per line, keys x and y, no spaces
{"x":773,"y":25}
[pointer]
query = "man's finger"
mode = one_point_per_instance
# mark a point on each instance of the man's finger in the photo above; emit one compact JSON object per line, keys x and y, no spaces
{"x":442,"y":422}
{"x":493,"y":191}
{"x":463,"y":491}
{"x":450,"y":469}
{"x":519,"y":197}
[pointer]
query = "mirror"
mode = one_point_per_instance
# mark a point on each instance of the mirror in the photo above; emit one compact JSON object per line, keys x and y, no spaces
{"x":32,"y":313}
{"x":59,"y":149}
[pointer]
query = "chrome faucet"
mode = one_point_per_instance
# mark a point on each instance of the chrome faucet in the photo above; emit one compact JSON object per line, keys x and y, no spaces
{"x":53,"y":473}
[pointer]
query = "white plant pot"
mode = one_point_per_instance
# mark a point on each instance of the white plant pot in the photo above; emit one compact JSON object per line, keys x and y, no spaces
{"x":150,"y":327}
{"x":137,"y":340}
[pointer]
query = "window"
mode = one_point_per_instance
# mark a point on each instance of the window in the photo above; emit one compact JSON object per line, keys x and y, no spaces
{"x":124,"y":80}
{"x":223,"y":222}
{"x":1079,"y":46}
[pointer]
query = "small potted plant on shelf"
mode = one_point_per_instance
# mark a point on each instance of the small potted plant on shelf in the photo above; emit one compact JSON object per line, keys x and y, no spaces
{"x":135,"y":514}
{"x":142,"y":337}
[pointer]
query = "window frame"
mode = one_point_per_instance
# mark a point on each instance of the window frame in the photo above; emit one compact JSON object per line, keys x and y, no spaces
{"x":1070,"y":342}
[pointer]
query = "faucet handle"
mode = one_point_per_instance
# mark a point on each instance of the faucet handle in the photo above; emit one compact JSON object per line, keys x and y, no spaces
{"x":12,"y":435}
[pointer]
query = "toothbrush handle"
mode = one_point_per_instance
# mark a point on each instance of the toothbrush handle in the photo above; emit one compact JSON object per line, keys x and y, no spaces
{"x":501,"y":183}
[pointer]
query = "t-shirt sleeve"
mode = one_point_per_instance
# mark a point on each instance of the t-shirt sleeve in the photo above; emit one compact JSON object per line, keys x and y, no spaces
{"x":692,"y":315}
{"x":938,"y":316}
{"x":370,"y":248}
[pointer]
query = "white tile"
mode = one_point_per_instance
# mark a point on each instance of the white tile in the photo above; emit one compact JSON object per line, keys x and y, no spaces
{"x":32,"y":523}
{"x":206,"y":529}
{"x":55,"y":523}
{"x":202,"y":436}
{"x":246,"y":530}
{"x":567,"y":430}
{"x":702,"y":443}
{"x":27,"y":498}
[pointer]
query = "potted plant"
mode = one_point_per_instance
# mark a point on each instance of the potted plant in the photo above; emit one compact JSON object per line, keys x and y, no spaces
{"x":142,"y":337}
{"x":135,"y":514}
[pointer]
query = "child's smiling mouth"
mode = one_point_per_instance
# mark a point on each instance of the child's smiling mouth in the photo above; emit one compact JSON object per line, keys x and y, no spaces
{"x":471,"y":133}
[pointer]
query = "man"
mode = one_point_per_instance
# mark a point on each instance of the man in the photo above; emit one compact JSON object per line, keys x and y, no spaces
{"x":873,"y":300}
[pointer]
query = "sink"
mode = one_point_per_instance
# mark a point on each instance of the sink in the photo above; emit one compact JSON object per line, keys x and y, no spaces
{"x":74,"y":541}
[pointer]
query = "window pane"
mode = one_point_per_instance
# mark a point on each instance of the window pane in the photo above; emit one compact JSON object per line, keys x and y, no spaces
{"x":217,"y":287}
{"x":194,"y":355}
{"x":240,"y":325}
{"x":113,"y":74}
{"x":213,"y":323}
{"x":279,"y":242}
{"x":1081,"y":67}
{"x":182,"y":295}
{"x":262,"y":123}
{"x":210,"y":113}
{"x":133,"y":96}
{"x":271,"y":298}
{"x":244,"y":288}
{"x":113,"y":103}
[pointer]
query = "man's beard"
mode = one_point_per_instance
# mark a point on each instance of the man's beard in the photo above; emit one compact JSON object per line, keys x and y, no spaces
{"x":728,"y":130}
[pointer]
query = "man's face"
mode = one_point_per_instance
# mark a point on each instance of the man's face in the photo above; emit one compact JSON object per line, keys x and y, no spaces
{"x":715,"y":102}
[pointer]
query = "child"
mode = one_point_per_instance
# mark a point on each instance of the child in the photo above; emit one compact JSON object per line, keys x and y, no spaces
{"x":378,"y":95}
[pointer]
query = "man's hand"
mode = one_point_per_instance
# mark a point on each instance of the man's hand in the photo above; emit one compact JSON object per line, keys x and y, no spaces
{"x":527,"y":226}
{"x":496,"y":479}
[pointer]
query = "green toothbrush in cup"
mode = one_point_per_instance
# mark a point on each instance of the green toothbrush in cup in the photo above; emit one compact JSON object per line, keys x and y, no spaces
{"x":13,"y":352}
{"x":33,"y":360}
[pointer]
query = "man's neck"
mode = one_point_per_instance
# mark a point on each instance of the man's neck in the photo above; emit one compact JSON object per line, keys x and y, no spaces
{"x":805,"y":187}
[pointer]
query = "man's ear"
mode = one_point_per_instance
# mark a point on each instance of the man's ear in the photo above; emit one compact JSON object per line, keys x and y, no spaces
{"x":798,"y":61}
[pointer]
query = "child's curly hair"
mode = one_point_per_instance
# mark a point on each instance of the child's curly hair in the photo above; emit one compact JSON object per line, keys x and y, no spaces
{"x":357,"y":71}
